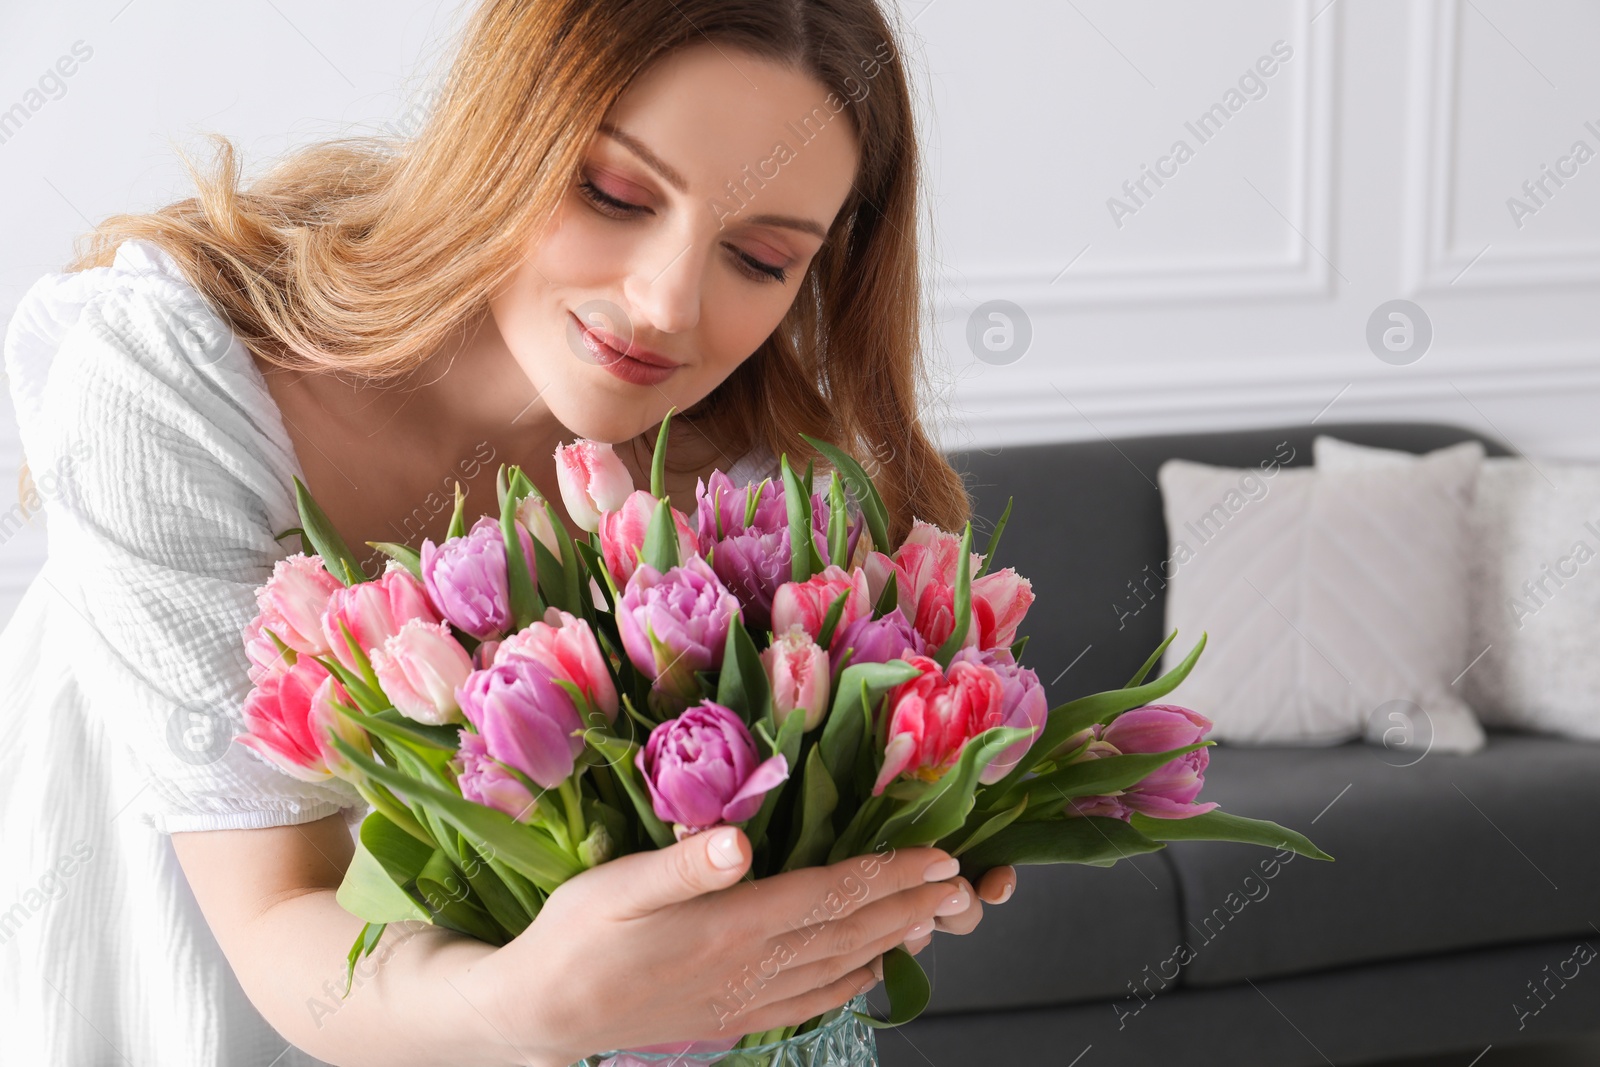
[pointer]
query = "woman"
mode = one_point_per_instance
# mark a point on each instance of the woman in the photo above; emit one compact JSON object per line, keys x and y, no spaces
{"x":617,"y":208}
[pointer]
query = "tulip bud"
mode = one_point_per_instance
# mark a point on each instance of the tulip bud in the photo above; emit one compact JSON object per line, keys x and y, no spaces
{"x":419,"y":669}
{"x":797,"y":670}
{"x":592,"y":481}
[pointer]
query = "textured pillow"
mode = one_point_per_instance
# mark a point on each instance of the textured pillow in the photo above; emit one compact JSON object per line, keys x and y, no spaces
{"x":1335,"y":600}
{"x":1533,"y":589}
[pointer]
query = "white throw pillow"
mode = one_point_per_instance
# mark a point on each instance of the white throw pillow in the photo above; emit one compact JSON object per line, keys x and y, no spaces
{"x":1335,"y":601}
{"x":1534,"y":589}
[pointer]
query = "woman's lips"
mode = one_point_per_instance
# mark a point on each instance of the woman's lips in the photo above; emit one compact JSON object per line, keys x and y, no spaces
{"x":633,"y":371}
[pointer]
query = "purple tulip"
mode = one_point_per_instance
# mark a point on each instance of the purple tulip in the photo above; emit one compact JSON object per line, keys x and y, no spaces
{"x":1169,"y":791}
{"x":526,"y":719}
{"x":877,"y":640}
{"x":753,"y":559}
{"x":1022,"y":703}
{"x":487,"y":782}
{"x":466,"y":578}
{"x":702,"y":770}
{"x":688,"y":611}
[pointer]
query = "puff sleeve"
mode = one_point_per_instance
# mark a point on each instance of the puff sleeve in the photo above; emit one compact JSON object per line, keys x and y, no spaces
{"x":165,"y":471}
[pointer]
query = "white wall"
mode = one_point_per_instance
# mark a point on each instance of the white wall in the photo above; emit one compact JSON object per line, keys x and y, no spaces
{"x":1374,"y":165}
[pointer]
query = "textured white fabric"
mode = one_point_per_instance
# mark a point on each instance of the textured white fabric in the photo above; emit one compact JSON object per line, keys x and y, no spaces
{"x":165,"y":471}
{"x":1534,"y":589}
{"x":1335,"y":603}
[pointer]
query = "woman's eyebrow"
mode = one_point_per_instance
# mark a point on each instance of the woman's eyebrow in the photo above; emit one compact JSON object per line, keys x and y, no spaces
{"x":678,"y":182}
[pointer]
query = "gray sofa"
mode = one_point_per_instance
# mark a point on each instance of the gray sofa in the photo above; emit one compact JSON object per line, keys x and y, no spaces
{"x":1462,"y":889}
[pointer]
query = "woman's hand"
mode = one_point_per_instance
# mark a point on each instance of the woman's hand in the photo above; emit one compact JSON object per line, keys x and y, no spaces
{"x":667,"y":946}
{"x":996,"y":887}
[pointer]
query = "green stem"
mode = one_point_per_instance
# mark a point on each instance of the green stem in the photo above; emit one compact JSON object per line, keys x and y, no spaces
{"x":608,"y":788}
{"x":390,"y":807}
{"x":574,"y":805}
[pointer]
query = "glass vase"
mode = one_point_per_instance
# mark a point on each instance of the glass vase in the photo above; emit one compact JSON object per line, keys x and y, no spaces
{"x":841,"y":1040}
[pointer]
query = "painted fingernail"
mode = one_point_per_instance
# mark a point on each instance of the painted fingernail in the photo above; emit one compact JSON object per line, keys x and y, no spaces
{"x":938,"y":872}
{"x":877,"y":967}
{"x":1007,"y":894}
{"x":954,"y":904}
{"x":921,"y":929}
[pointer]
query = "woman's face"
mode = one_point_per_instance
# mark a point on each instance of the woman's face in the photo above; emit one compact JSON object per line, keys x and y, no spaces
{"x":696,"y":214}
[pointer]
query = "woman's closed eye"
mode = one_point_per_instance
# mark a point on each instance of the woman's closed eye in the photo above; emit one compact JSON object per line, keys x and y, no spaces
{"x":612,"y":207}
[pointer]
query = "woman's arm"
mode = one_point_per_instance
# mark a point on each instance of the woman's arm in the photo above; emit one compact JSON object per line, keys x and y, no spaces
{"x":268,"y":896}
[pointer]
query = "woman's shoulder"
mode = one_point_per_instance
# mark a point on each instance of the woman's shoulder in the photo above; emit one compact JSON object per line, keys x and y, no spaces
{"x":132,"y":355}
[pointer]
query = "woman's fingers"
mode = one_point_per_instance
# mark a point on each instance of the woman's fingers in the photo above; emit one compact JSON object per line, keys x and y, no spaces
{"x":962,"y":922}
{"x":997,"y":884}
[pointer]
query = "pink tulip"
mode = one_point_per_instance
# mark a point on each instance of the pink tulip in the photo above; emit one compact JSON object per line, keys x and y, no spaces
{"x":592,"y":481}
{"x":933,"y":715}
{"x":565,"y":643}
{"x":324,"y":721}
{"x":280,"y":726}
{"x":925,"y":571}
{"x":485,"y":780}
{"x":419,"y":668}
{"x":531,"y":514}
{"x":797,"y":670}
{"x":805,"y":604}
{"x":291,"y":604}
{"x":374,"y":611}
{"x":622,"y":533}
{"x":1022,"y":704}
{"x":1169,"y":791}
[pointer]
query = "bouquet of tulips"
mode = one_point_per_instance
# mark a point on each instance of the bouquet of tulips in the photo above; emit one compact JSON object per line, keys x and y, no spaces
{"x":517,"y":705}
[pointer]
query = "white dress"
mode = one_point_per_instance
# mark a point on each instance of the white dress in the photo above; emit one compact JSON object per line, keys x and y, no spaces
{"x":165,"y":471}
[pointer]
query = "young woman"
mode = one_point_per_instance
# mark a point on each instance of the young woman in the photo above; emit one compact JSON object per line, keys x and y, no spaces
{"x":616,"y":208}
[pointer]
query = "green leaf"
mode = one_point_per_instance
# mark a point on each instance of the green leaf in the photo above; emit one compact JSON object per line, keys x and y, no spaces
{"x":855,"y":477}
{"x":989,"y":827}
{"x":994,"y":540}
{"x":325,"y":540}
{"x":963,"y":600}
{"x":450,"y":897}
{"x":292,"y":530}
{"x":787,"y":743}
{"x":944,"y":808}
{"x":526,"y":849}
{"x":838,"y":521}
{"x":658,"y":461}
{"x":525,"y":603}
{"x":889,"y":599}
{"x":742,"y":684}
{"x":365,"y":942}
{"x":831,"y":619}
{"x":458,"y":519}
{"x":1219,"y":825}
{"x":386,"y":857}
{"x":1098,"y":776}
{"x":799,"y":506}
{"x":907,"y":985}
{"x":1149,"y":664}
{"x":1092,"y":839}
{"x":660,"y":549}
{"x":408,"y":558}
{"x":818,"y":799}
{"x":844,"y":729}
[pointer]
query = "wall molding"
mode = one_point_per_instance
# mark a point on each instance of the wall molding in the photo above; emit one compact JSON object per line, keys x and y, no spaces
{"x":1173,"y":397}
{"x":1431,"y":262}
{"x":1301,"y":273}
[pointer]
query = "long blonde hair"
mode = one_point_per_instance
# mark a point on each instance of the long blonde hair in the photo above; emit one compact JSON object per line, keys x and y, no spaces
{"x":362,"y":255}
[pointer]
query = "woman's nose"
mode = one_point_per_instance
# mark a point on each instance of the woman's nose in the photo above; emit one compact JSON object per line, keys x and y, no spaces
{"x":665,"y":287}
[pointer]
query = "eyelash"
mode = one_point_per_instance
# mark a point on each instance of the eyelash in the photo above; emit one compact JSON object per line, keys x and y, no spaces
{"x":609,"y":205}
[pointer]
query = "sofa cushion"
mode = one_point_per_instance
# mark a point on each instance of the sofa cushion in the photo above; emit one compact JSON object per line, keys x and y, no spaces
{"x":1068,"y":933}
{"x":1431,"y":853}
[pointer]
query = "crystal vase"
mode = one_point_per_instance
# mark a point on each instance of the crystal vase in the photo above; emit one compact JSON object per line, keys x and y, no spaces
{"x":841,"y":1041}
